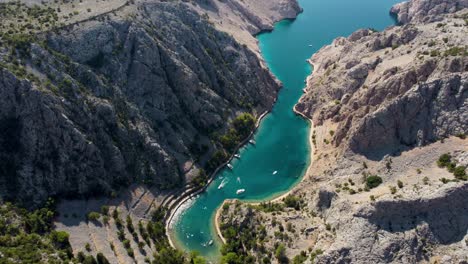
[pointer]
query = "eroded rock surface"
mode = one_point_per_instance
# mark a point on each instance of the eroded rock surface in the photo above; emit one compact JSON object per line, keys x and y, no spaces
{"x":392,"y":90}
{"x":426,"y":10}
{"x":135,"y":95}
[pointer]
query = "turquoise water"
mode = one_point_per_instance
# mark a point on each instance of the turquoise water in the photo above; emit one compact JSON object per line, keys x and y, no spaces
{"x":281,"y":141}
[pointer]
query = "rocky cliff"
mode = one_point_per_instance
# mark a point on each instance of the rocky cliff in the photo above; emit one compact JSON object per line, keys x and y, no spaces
{"x":388,"y":109}
{"x":135,"y":95}
{"x":426,"y":10}
{"x":392,"y":90}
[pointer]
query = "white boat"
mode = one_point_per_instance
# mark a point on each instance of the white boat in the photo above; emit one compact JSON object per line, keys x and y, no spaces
{"x":210,"y":243}
{"x":252,"y":141}
{"x":310,"y":45}
{"x":237,"y":156}
{"x":222,"y":184}
{"x":238,"y":180}
{"x":240,"y":191}
{"x":229,"y":166}
{"x":275,"y":172}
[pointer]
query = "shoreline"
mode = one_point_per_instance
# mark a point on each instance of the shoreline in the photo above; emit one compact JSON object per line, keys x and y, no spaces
{"x":187,"y":195}
{"x":280,"y":197}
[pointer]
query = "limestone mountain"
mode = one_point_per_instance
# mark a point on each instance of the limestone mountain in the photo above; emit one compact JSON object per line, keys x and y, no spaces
{"x":137,"y":94}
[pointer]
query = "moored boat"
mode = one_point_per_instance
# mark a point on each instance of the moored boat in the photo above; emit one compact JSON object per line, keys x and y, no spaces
{"x":240,"y":191}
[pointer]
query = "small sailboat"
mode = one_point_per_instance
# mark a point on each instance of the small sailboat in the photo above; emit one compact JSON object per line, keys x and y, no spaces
{"x":310,"y":45}
{"x":238,"y":180}
{"x":237,"y":156}
{"x":240,"y":191}
{"x":229,"y":166}
{"x":275,"y":172}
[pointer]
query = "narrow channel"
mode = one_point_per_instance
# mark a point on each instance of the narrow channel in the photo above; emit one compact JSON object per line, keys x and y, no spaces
{"x":281,"y":153}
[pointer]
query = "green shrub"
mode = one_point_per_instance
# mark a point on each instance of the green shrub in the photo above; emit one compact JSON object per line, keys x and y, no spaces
{"x":21,"y":42}
{"x":444,"y":180}
{"x":130,"y":226}
{"x":301,"y":258}
{"x":60,"y":238}
{"x":93,"y":216}
{"x":126,"y":243}
{"x":201,"y":179}
{"x":115,"y":213}
{"x":426,"y":180}
{"x":89,"y":260}
{"x":460,"y":173}
{"x":293,"y":201}
{"x":280,"y":254}
{"x":373,"y":181}
{"x":104,"y":210}
{"x":270,"y":207}
{"x":400,"y":184}
{"x":218,"y":158}
{"x":455,"y":51}
{"x":242,"y":126}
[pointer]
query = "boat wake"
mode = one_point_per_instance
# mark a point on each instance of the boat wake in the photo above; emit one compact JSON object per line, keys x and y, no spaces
{"x":223,"y":183}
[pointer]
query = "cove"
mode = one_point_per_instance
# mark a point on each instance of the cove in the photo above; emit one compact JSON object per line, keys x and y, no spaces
{"x":281,"y":154}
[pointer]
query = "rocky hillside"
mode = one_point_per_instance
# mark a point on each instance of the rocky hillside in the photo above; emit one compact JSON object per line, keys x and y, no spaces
{"x":137,"y":94}
{"x":425,"y":10}
{"x":244,"y":19}
{"x":388,"y":177}
{"x":389,"y":91}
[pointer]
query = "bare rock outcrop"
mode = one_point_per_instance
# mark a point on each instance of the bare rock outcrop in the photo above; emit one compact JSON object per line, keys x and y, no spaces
{"x":426,"y":10}
{"x":392,"y":90}
{"x":399,"y":231}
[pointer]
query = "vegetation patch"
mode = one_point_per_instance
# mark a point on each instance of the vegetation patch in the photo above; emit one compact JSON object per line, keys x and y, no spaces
{"x":241,"y":127}
{"x":373,"y":181}
{"x":28,"y":236}
{"x":446,"y":161}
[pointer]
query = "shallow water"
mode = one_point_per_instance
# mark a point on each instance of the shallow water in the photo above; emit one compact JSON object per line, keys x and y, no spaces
{"x":281,"y":141}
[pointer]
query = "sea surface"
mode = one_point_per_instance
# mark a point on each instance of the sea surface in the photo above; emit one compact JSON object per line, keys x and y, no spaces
{"x":281,"y":153}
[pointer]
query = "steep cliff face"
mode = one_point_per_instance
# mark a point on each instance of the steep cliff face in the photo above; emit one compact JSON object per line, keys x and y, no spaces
{"x":426,"y":10}
{"x":244,"y":19}
{"x":392,"y":90}
{"x":135,"y":96}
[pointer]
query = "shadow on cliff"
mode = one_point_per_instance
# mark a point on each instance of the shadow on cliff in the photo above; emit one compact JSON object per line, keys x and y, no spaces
{"x":446,"y":216}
